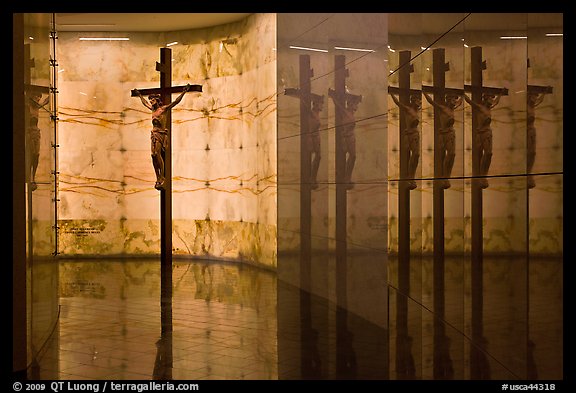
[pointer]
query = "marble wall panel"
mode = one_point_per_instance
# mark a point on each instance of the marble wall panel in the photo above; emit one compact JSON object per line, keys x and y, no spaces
{"x":220,"y":173}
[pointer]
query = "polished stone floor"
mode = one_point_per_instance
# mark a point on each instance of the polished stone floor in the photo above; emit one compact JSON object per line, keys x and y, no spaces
{"x":111,"y":319}
{"x":118,"y":320}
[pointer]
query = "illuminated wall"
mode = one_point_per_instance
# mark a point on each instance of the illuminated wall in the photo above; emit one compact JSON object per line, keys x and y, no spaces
{"x":224,"y":143}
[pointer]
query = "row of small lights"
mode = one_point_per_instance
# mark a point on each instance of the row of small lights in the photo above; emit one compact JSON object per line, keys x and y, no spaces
{"x":305,"y":48}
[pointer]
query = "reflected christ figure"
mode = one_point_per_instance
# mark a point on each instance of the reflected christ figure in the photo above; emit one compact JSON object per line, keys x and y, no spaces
{"x":533,"y":100}
{"x":483,"y":140}
{"x":314,"y":137}
{"x":411,"y":134}
{"x":159,"y":133}
{"x":447,"y":133}
{"x":348,"y":135}
{"x":33,"y":134}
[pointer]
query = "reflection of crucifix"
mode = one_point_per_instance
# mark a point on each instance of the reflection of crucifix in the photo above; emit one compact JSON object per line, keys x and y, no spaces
{"x":404,"y":358}
{"x":310,"y":361}
{"x":164,"y":93}
{"x":479,"y":366}
{"x":445,"y":101}
{"x":310,"y":135}
{"x":482,"y":101}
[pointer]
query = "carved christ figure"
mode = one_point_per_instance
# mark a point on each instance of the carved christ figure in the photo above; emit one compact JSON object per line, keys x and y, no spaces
{"x":447,"y":133}
{"x":533,"y":100}
{"x":483,"y":140}
{"x":411,"y":134}
{"x":159,"y":133}
{"x":314,"y":138}
{"x":348,"y":135}
{"x":33,"y":134}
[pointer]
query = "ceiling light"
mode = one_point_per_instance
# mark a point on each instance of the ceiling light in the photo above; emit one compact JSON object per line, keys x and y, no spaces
{"x":513,"y":37}
{"x":86,"y":25}
{"x":172,"y":43}
{"x":554,"y":34}
{"x":104,"y":39}
{"x":354,"y":49}
{"x":312,"y":49}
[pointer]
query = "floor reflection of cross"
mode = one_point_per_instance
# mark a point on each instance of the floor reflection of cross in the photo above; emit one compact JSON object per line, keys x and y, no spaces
{"x":165,"y":91}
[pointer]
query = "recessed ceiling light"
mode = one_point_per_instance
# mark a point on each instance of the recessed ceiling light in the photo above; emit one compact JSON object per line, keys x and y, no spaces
{"x":104,"y":39}
{"x":311,"y":49}
{"x":354,"y":49}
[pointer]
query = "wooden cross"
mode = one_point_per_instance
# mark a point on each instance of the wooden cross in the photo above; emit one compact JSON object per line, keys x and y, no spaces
{"x":305,"y":96}
{"x":404,"y":360}
{"x":166,"y":90}
{"x":309,"y":368}
{"x":478,"y":363}
{"x":442,"y":361}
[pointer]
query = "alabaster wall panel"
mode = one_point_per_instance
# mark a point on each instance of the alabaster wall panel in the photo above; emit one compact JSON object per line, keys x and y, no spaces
{"x":217,"y":164}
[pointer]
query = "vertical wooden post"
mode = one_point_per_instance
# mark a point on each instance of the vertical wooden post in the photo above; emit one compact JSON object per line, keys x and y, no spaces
{"x":342,"y":335}
{"x":476,"y":364}
{"x":404,"y":366}
{"x":165,"y":68}
{"x":310,"y":367}
{"x":442,"y":362}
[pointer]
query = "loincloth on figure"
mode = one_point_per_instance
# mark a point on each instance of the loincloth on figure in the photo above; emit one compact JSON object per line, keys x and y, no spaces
{"x":484,"y":139}
{"x":412,"y":139}
{"x":313,"y":141}
{"x":33,"y":137}
{"x":349,"y":143}
{"x":531,"y":140}
{"x":447,"y":137}
{"x":159,"y":136}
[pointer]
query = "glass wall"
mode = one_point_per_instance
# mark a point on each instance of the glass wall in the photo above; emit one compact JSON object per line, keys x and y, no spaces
{"x":332,"y":196}
{"x":544,"y":154}
{"x":445,"y":242}
{"x":38,"y":138}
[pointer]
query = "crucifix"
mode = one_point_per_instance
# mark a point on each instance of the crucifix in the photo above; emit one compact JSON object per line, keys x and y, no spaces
{"x":162,"y":132}
{"x":445,"y":101}
{"x":345,"y":105}
{"x":310,"y":107}
{"x":163,"y":129}
{"x":404,"y":359}
{"x":482,"y":98}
